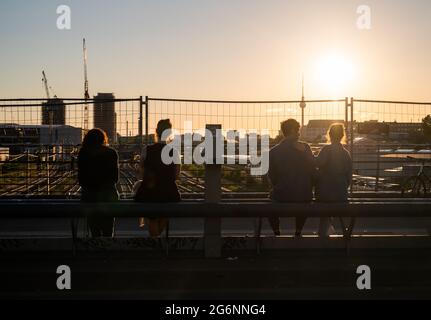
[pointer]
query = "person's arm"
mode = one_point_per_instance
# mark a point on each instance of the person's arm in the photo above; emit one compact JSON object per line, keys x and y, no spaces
{"x":322,"y":158}
{"x":311,"y":161}
{"x":81,"y":170}
{"x":349,"y":168}
{"x":272,"y":170}
{"x":142,"y":162}
{"x":113,"y":170}
{"x":177,"y":159}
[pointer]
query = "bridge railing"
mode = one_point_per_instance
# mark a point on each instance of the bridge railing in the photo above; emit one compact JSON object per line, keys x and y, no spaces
{"x":33,"y":168}
{"x":214,"y":212}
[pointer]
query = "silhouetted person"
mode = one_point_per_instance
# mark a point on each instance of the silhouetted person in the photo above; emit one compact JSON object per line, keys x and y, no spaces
{"x":291,"y":172}
{"x":158,"y":182}
{"x":334,"y":173}
{"x":98,"y":176}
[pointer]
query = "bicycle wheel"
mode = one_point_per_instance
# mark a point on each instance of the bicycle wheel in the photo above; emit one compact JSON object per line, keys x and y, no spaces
{"x":414,"y":187}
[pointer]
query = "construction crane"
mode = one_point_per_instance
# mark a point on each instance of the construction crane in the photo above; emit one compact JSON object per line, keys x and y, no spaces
{"x":47,"y":87}
{"x":45,"y":82}
{"x":86,"y":94}
{"x":48,"y":106}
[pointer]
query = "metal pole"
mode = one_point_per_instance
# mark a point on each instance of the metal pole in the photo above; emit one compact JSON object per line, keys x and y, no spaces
{"x":346,"y":116}
{"x":147,"y":138}
{"x":212,"y":227}
{"x":378,"y":169}
{"x":47,"y":172}
{"x":352,"y":139}
{"x":27,"y":174}
{"x":141,"y":122}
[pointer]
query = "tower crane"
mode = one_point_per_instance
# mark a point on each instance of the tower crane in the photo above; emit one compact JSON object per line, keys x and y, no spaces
{"x":48,"y":106}
{"x":45,"y":83}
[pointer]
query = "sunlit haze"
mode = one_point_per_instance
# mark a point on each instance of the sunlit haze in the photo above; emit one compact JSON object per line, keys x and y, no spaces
{"x":218,"y":49}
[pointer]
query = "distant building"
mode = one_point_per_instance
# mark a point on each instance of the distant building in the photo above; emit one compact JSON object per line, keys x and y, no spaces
{"x":316,"y":130}
{"x":18,"y":137}
{"x":373,"y":128}
{"x":54,"y":112}
{"x":105,"y":117}
{"x":394,"y":130}
{"x":401,"y":130}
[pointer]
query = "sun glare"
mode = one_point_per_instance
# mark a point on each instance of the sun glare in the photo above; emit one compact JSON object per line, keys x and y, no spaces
{"x":334,"y":74}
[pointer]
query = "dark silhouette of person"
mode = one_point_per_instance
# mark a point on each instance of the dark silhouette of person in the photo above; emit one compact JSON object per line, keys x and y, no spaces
{"x":98,"y":176}
{"x":291,"y":172}
{"x":334,"y":173}
{"x":158,"y":182}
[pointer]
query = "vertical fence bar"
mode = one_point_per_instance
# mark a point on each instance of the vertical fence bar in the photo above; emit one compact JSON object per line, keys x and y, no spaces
{"x":378,"y":169}
{"x":352,"y":139}
{"x":147,"y":138}
{"x":346,"y":115}
{"x":212,"y":226}
{"x":141,"y":121}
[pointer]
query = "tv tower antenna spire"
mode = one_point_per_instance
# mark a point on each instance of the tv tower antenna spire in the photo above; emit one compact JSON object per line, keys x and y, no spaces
{"x":303,"y":104}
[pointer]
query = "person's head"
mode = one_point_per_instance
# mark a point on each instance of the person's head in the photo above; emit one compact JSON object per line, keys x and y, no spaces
{"x":162,"y":126}
{"x":95,"y":138}
{"x":290,"y":129}
{"x":336,"y":133}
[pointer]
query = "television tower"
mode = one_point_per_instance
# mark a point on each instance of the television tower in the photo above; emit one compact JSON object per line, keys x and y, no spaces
{"x":302,"y":105}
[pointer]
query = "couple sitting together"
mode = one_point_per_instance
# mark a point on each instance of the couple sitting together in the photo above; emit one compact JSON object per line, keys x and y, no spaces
{"x":294,"y":172}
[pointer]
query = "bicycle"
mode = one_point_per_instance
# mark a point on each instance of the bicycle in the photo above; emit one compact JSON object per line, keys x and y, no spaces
{"x":417,"y":185}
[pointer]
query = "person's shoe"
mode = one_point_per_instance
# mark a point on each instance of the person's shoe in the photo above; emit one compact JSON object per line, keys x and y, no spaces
{"x":277,"y":233}
{"x":298,"y":235}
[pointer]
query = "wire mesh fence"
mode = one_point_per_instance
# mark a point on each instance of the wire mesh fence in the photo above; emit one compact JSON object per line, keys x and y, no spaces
{"x":389,"y":143}
{"x":40,"y":139}
{"x":118,"y":115}
{"x":236,"y":115}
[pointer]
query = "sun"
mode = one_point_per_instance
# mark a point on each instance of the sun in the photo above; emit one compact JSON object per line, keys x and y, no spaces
{"x":334,"y":74}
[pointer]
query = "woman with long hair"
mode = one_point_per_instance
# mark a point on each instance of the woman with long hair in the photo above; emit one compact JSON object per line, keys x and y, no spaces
{"x":158,"y":182}
{"x":98,"y":176}
{"x":334,"y":166}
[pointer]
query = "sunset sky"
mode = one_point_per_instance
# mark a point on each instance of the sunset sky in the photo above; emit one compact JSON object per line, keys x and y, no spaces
{"x":219,"y":49}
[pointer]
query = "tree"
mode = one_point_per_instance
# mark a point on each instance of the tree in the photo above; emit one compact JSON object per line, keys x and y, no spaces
{"x":426,"y":127}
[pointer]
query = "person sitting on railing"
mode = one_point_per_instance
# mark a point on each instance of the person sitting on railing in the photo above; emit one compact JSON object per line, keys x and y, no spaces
{"x":158,"y":182}
{"x":291,"y":172}
{"x":334,"y":173}
{"x":98,"y":176}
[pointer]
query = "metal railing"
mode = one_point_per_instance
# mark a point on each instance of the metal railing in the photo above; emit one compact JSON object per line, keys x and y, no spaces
{"x":36,"y":168}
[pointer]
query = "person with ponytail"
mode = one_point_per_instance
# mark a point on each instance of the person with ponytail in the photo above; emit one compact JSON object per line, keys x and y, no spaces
{"x":334,"y":166}
{"x":158,"y":182}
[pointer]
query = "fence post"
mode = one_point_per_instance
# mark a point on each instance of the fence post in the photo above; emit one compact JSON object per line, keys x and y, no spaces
{"x":346,"y":115}
{"x":141,"y":121}
{"x":212,"y":228}
{"x":147,"y":138}
{"x":352,"y":140}
{"x":378,"y":169}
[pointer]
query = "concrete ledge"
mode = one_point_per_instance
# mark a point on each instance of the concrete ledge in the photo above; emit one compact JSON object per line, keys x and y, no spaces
{"x":186,"y":209}
{"x":229,"y":244}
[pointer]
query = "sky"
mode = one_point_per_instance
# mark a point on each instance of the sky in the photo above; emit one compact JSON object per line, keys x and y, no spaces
{"x":218,"y":49}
